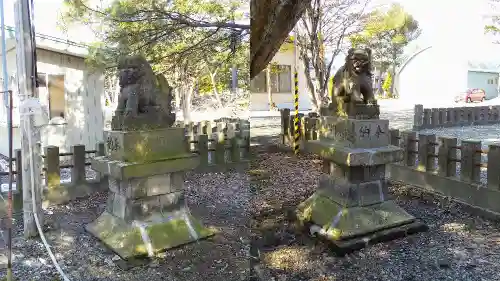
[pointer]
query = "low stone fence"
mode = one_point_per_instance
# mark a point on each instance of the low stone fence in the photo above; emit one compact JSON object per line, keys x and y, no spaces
{"x":430,"y":118}
{"x":222,"y":145}
{"x":442,"y":165}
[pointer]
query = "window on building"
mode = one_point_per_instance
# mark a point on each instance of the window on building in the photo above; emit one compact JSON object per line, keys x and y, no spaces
{"x":57,"y":100}
{"x":259,"y":83}
{"x":496,"y":81}
{"x":281,"y":80}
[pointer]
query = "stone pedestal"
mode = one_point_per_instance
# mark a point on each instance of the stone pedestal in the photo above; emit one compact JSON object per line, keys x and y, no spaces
{"x":352,"y":206}
{"x":146,"y":212}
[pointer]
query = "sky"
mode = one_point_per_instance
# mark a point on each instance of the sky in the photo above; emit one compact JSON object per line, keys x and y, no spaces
{"x":46,"y":20}
{"x":448,"y":20}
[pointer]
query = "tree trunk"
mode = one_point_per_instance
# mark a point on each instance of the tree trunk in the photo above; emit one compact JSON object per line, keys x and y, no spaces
{"x":177,"y":98}
{"x":215,"y":91}
{"x":314,"y":96}
{"x":269,"y":87}
{"x":187,"y":98}
{"x":271,"y":21}
{"x":393,"y":74}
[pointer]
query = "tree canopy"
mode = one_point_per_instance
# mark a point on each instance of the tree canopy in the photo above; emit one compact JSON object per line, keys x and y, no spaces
{"x":167,"y":32}
{"x":387,"y":32}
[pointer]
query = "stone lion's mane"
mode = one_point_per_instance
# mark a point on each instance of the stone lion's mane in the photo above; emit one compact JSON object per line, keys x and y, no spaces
{"x":146,"y":77}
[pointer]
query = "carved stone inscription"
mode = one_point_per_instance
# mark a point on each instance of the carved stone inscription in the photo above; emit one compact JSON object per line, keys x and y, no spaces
{"x":112,"y":143}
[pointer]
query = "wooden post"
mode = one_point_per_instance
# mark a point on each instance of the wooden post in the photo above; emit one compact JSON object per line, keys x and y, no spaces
{"x":52,"y":169}
{"x":447,"y":153}
{"x":470,"y":160}
{"x":19,"y":170}
{"x":30,"y":136}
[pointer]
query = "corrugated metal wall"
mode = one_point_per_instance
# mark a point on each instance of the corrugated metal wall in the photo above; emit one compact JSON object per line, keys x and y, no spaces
{"x":488,"y":81}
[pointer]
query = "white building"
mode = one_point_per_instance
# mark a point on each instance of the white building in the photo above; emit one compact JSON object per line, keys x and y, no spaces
{"x":282,"y":82}
{"x":71,"y":95}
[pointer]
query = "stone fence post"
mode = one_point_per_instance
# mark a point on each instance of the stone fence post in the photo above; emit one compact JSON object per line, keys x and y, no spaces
{"x":100,"y":152}
{"x":52,"y":167}
{"x":234,"y":143}
{"x":203,"y":149}
{"x":470,"y":161}
{"x":493,"y":175}
{"x":78,"y":171}
{"x":426,"y":122}
{"x":435,"y":118}
{"x":410,"y":148}
{"x":394,"y":137}
{"x":447,"y":156}
{"x":426,"y":152}
{"x":418,"y":116}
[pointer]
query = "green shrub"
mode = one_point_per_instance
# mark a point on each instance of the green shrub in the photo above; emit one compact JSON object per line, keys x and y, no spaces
{"x":387,"y":84}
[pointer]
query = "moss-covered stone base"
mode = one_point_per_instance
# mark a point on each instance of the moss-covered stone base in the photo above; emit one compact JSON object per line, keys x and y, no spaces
{"x":361,"y":224}
{"x":142,"y":239}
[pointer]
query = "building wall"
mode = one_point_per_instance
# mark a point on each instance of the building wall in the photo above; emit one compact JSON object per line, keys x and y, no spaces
{"x":488,"y":81}
{"x":260,"y":101}
{"x":84,"y":104}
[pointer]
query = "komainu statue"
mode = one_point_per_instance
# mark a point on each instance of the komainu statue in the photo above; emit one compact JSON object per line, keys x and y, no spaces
{"x":354,"y":79}
{"x":352,"y":92}
{"x":145,"y":100}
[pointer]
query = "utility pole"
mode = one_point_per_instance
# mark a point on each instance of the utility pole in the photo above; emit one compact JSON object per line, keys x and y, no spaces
{"x":28,"y":107}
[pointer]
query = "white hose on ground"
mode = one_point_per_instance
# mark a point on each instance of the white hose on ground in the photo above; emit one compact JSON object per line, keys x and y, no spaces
{"x":37,"y":222}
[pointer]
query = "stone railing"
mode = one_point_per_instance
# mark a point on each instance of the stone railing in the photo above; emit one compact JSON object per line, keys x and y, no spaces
{"x":442,"y":165}
{"x":430,"y":118}
{"x":221,"y":144}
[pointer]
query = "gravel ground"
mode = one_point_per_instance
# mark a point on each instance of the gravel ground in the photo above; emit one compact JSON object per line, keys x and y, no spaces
{"x":458,"y":246}
{"x":218,"y":199}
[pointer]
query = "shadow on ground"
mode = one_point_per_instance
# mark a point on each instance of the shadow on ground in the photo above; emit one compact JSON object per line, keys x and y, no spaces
{"x":458,"y":246}
{"x":218,"y":199}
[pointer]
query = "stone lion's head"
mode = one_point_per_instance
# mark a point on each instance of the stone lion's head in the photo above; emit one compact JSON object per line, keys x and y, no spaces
{"x":359,"y":60}
{"x":135,"y":70}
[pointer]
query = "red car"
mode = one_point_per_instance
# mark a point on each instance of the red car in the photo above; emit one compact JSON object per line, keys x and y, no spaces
{"x":471,"y":95}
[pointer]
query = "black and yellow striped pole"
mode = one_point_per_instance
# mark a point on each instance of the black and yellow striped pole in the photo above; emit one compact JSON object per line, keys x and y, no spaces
{"x":296,"y":138}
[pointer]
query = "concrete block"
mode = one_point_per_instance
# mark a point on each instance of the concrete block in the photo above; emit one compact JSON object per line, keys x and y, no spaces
{"x":355,"y":156}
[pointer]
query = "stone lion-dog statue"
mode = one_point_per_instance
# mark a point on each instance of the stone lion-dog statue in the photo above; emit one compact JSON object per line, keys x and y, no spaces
{"x":144,"y":97}
{"x":353,"y":80}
